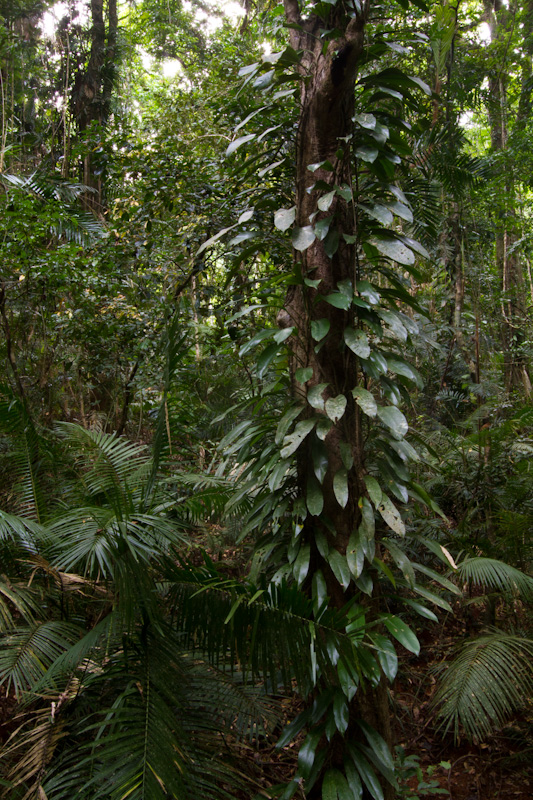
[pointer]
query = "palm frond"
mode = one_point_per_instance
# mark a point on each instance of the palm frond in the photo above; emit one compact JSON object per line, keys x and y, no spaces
{"x":494,"y":574}
{"x":27,"y":652}
{"x":490,"y":678}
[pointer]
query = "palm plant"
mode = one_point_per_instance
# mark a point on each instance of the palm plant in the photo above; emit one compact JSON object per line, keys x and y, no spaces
{"x":111,"y":702}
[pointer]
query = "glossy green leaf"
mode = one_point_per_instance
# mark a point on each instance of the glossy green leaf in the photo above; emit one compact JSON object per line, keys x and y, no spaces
{"x":393,"y":418}
{"x":303,"y":374}
{"x":377,"y":744}
{"x":402,"y":633}
{"x":395,"y":250}
{"x":315,"y":396}
{"x":293,"y":440}
{"x":340,"y":487}
{"x":348,"y":679}
{"x":238,"y":142}
{"x":374,"y":490}
{"x":335,"y":407}
{"x":355,"y":554}
{"x":369,"y":291}
{"x":300,"y":568}
{"x":338,"y":300}
{"x":391,"y":515}
{"x":320,"y":459}
{"x":341,"y":712}
{"x":326,"y":200}
{"x":284,"y":217}
{"x":339,"y":567}
{"x":335,"y":786}
{"x":365,"y":400}
{"x":322,"y":227}
{"x":401,"y":367}
{"x":367,"y":121}
{"x":367,"y":773}
{"x":386,"y":654}
{"x":320,"y":328}
{"x":357,"y":341}
{"x":379,"y":212}
{"x":302,"y":238}
{"x":314,"y":497}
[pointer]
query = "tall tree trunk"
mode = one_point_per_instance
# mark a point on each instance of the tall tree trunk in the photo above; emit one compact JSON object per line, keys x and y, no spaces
{"x":325,"y":126}
{"x":514,"y":316}
{"x":93,"y":89}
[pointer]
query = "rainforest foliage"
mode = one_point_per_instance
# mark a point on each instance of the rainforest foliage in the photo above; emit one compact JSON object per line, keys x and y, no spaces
{"x":265,"y":403}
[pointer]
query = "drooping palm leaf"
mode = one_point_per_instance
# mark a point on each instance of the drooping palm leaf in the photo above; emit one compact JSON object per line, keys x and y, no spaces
{"x":490,"y":678}
{"x":494,"y":574}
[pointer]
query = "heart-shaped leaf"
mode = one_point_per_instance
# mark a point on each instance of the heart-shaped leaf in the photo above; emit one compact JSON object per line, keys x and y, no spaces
{"x":335,"y":407}
{"x":365,"y":400}
{"x":284,"y":217}
{"x":302,"y":238}
{"x":340,"y":487}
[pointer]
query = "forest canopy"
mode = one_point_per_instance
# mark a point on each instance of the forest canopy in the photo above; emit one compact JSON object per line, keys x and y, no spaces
{"x":265,"y":399}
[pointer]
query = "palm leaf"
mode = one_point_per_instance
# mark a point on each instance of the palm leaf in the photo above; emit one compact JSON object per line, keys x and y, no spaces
{"x":27,"y":652}
{"x":493,"y":574}
{"x":490,"y":678}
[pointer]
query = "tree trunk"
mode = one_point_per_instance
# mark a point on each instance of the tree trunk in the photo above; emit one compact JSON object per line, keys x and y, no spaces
{"x":514,"y":316}
{"x":325,"y":126}
{"x":93,"y":89}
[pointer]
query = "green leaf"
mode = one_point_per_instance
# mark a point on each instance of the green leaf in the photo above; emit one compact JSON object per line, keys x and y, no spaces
{"x":300,"y":567}
{"x":401,"y":210}
{"x":402,"y":561}
{"x":344,"y":191}
{"x":368,"y":290}
{"x":367,"y":153}
{"x":392,"y":319}
{"x":367,"y":773}
{"x":331,"y":243}
{"x":395,"y":250}
{"x":322,"y":228}
{"x":393,"y":418}
{"x":379,"y":212}
{"x":373,"y":489}
{"x":314,"y":396}
{"x":377,"y":744}
{"x":320,"y":328}
{"x":340,"y":487}
{"x":348,"y":679}
{"x":365,"y":400}
{"x":338,"y":300}
{"x":391,"y":515}
{"x":340,"y":712}
{"x":401,"y":367}
{"x":402,"y":633}
{"x":284,"y":217}
{"x":320,"y":459}
{"x":326,"y":200}
{"x":335,"y":786}
{"x":357,"y":341}
{"x":355,"y":554}
{"x":387,"y":656}
{"x":302,"y":238}
{"x":339,"y":567}
{"x":238,"y":142}
{"x":335,"y":407}
{"x":314,"y":497}
{"x":265,"y":359}
{"x":367,"y":121}
{"x":320,"y":591}
{"x":303,"y":374}
{"x":323,"y":427}
{"x":293,"y":440}
{"x":306,"y":754}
